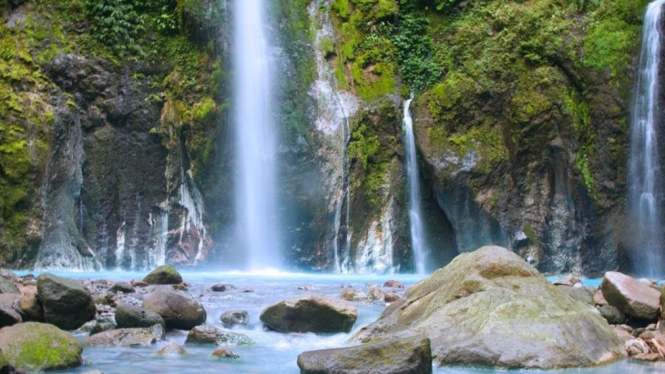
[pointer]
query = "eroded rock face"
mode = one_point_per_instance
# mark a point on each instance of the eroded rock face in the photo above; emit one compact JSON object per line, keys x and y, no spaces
{"x":67,"y":303}
{"x":310,"y":314}
{"x":178,"y":309}
{"x":36,"y":346}
{"x":483,"y":299}
{"x":631,"y":296}
{"x":393,"y":356}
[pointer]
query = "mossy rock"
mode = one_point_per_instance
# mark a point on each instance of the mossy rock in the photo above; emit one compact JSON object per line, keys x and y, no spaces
{"x":36,"y":346}
{"x":483,"y":299}
{"x":164,"y":274}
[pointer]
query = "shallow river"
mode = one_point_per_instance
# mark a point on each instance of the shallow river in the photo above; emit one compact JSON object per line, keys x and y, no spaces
{"x":274,"y":352}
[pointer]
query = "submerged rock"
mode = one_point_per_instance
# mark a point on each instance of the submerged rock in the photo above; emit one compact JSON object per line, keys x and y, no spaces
{"x":37,"y":346}
{"x":178,"y":309}
{"x":131,"y":337}
{"x":392,"y":356}
{"x":164,"y":274}
{"x":67,"y":303}
{"x":491,"y":308}
{"x":172,"y":349}
{"x":631,"y":296}
{"x":310,"y":314}
{"x":213,"y":335}
{"x":234,"y":318}
{"x":224,"y":352}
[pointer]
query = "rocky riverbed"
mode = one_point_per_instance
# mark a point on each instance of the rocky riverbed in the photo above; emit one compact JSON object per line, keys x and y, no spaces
{"x":477,"y":303}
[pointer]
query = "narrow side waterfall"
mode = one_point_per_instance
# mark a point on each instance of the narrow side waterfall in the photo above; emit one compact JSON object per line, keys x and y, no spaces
{"x":415,"y":216}
{"x":256,"y":139}
{"x":644,"y":185}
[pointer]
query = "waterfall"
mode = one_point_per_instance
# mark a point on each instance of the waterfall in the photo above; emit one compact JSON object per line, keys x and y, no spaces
{"x":644,"y":186}
{"x":415,"y":216}
{"x":256,"y":138}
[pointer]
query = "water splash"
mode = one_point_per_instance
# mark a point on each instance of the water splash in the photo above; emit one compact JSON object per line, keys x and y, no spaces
{"x":644,"y":185}
{"x":415,"y":215}
{"x":256,"y":138}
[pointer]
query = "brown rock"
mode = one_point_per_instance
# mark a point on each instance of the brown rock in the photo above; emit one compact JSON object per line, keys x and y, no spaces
{"x":631,"y":296}
{"x":310,"y":314}
{"x":224,"y":352}
{"x":598,"y":298}
{"x":393,"y":283}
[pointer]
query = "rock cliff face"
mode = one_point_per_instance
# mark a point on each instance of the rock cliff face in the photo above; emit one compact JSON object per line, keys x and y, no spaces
{"x":117,"y":148}
{"x":520,"y":121}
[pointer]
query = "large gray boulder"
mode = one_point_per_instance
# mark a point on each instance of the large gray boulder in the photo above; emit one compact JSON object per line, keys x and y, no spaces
{"x":34,"y":347}
{"x":130,"y":337}
{"x":9,"y":315}
{"x":215,"y":336}
{"x":310,"y":314}
{"x":490,"y":308}
{"x":67,"y":303}
{"x":631,"y":296}
{"x":177,"y":308}
{"x":392,"y":356}
{"x":164,"y":274}
{"x":128,"y":316}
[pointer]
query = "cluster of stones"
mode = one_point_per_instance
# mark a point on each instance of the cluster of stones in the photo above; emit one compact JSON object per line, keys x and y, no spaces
{"x":39,"y":318}
{"x":461,"y":315}
{"x":635,"y":309}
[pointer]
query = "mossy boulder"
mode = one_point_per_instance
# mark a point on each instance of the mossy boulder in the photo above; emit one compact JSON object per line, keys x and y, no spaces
{"x":471,"y":308}
{"x":310,"y":314}
{"x":67,"y":303}
{"x":164,"y":274}
{"x":393,"y":356}
{"x":178,"y":309}
{"x":34,"y":346}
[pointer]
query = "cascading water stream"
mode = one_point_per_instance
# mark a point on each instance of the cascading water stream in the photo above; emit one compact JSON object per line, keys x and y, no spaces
{"x":644,"y":185}
{"x":256,"y":138}
{"x":415,"y":215}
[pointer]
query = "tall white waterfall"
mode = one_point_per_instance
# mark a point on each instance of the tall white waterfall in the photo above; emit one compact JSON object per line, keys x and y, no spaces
{"x":256,"y":140}
{"x":415,"y":215}
{"x":644,"y":185}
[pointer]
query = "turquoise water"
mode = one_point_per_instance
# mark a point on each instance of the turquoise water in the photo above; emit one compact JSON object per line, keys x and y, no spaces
{"x":274,"y":352}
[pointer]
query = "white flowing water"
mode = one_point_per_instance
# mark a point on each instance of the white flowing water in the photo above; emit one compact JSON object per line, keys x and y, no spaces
{"x":256,"y":208}
{"x":415,"y":216}
{"x":644,"y":185}
{"x":274,"y":352}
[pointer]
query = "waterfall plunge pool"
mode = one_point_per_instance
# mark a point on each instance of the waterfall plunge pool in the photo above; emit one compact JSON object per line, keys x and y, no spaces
{"x":273,"y":352}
